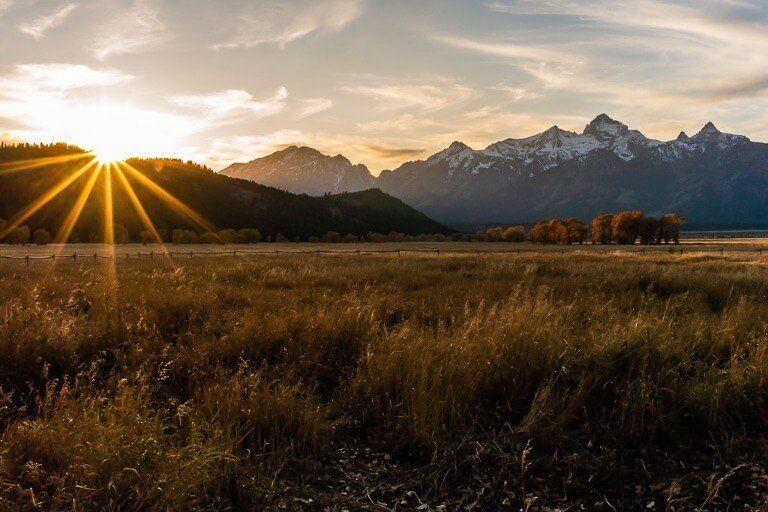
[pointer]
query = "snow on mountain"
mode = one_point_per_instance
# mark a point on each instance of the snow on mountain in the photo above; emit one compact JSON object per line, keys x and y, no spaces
{"x":555,"y":146}
{"x":708,"y":138}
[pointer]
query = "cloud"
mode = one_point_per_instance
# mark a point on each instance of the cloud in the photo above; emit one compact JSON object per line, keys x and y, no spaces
{"x":425,"y":97}
{"x":29,"y":81}
{"x":507,"y":50}
{"x":518,"y":93}
{"x":314,"y":106}
{"x":135,"y":31}
{"x":709,"y":19}
{"x":736,"y":89}
{"x":233,"y":102}
{"x":402,"y":122}
{"x":39,"y":26}
{"x":394,"y":153}
{"x":281,"y":22}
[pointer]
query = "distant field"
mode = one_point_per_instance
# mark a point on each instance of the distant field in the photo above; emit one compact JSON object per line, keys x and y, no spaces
{"x":181,"y":251}
{"x":536,"y":382}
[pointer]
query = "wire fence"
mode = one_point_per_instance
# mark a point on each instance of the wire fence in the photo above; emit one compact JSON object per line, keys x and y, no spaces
{"x":128,"y":256}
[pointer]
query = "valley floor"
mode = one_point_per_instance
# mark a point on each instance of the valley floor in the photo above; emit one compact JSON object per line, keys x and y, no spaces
{"x":538,"y":381}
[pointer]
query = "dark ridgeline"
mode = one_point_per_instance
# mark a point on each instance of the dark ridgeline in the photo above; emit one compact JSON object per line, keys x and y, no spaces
{"x":225,"y":202}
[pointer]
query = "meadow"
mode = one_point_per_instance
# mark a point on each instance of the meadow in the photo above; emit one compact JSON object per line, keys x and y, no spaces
{"x":547,"y":381}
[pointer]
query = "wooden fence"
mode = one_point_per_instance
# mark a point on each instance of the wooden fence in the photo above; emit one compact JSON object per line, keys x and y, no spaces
{"x":127,"y":256}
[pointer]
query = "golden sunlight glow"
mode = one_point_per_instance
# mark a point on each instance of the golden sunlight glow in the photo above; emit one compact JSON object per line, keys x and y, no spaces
{"x":117,"y":132}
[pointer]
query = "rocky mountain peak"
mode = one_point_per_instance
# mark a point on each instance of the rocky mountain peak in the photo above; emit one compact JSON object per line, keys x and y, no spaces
{"x":604,"y":127}
{"x":682,"y":137}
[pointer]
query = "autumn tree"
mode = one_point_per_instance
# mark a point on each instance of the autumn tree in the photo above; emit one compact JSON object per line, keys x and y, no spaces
{"x":177,"y":236}
{"x":145,"y":237}
{"x":210,"y":238}
{"x":541,"y":233}
{"x":602,"y":229}
{"x":494,"y":234}
{"x":19,"y":236}
{"x":120,"y":234}
{"x":670,"y":227}
{"x":2,"y":228}
{"x":248,"y":236}
{"x":577,"y":231}
{"x":41,"y":237}
{"x":331,"y":237}
{"x":514,"y":234}
{"x":626,"y":227}
{"x":227,"y":236}
{"x":648,"y":231}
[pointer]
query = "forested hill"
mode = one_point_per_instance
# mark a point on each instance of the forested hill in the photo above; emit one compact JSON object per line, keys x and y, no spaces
{"x":224,"y":202}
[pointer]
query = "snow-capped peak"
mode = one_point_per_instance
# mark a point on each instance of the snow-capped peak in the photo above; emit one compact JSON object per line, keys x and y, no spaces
{"x":455,"y":149}
{"x":603,"y":127}
{"x":711,"y":135}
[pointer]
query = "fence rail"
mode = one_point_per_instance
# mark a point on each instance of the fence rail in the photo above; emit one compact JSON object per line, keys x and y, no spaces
{"x":29,"y":258}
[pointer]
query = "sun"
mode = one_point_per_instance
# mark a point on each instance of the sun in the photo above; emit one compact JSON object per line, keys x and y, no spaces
{"x":110,"y":154}
{"x":115,"y":133}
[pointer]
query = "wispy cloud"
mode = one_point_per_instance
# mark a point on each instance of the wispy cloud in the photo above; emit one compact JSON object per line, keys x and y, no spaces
{"x":395,"y":153}
{"x":314,"y":106}
{"x":402,"y":122}
{"x":39,"y":26}
{"x":138,"y":30}
{"x":735,"y":89}
{"x":55,"y":79}
{"x":281,"y":22}
{"x":233,"y":102}
{"x":425,"y":97}
{"x":707,"y":19}
{"x":507,"y":50}
{"x":519,"y":93}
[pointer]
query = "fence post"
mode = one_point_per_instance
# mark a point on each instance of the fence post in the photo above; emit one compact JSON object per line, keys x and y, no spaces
{"x":27,"y":258}
{"x":95,"y":257}
{"x":74,"y":257}
{"x":151,"y":255}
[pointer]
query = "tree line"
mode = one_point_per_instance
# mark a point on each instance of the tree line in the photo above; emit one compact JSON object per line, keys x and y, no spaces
{"x":625,"y":228}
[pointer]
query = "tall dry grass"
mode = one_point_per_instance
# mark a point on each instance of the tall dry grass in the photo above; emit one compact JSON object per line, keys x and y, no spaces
{"x":195,"y":385}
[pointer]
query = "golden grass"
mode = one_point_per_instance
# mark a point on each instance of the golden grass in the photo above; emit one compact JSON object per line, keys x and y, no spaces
{"x":557,"y":379}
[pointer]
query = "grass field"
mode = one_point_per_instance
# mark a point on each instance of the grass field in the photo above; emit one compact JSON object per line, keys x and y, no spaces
{"x":501,"y":382}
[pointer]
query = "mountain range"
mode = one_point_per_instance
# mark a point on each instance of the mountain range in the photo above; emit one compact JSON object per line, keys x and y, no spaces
{"x":224,"y":202}
{"x":710,"y":177}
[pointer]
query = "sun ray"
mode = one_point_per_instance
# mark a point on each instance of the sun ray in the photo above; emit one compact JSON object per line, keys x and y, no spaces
{"x":109,"y":209}
{"x":62,"y":236}
{"x":137,"y":205}
{"x":109,"y":236}
{"x":26,"y":165}
{"x":41,"y":201}
{"x":175,"y":204}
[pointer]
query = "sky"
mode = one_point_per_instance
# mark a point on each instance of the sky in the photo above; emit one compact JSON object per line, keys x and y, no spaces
{"x":379,"y":81}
